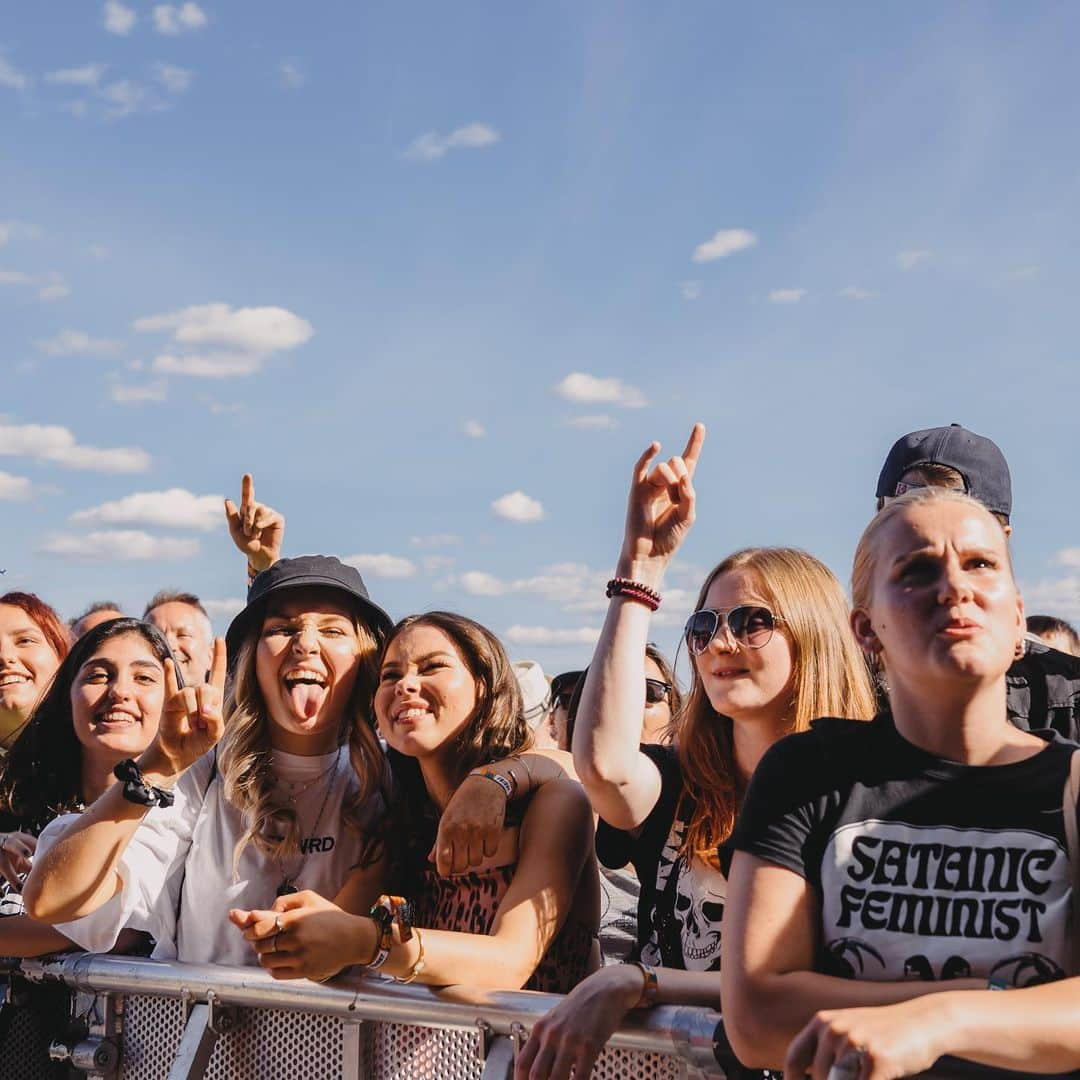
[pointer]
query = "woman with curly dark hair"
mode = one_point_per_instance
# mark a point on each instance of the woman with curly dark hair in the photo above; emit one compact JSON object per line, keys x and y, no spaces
{"x":448,"y":705}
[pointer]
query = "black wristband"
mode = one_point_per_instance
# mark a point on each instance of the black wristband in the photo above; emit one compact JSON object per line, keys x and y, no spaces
{"x":136,"y":789}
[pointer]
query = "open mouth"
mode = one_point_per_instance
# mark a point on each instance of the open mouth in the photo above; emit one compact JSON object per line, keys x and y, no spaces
{"x":115,"y":718}
{"x":13,"y":678}
{"x":411,"y":715}
{"x":306,"y":691}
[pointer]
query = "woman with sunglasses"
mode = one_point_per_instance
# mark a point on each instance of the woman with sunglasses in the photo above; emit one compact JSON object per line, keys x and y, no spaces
{"x":771,"y":650}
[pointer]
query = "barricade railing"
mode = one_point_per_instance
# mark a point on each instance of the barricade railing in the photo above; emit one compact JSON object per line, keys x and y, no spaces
{"x":140,"y":1019}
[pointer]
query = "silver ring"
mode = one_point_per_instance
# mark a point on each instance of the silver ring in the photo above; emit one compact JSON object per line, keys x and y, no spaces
{"x":273,"y":944}
{"x":277,"y":925}
{"x":849,"y":1067}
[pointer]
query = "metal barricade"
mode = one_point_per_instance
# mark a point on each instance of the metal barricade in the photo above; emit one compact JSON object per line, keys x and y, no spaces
{"x":146,"y":1019}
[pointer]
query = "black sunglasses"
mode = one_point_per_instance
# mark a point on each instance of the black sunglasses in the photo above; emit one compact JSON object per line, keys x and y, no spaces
{"x":747,"y":624}
{"x":656,"y":690}
{"x":563,"y":687}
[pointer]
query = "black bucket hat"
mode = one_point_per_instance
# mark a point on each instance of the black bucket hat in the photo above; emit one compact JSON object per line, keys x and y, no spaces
{"x":323,"y":571}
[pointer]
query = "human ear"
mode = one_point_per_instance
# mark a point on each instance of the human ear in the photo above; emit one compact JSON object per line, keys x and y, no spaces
{"x":863,"y":629}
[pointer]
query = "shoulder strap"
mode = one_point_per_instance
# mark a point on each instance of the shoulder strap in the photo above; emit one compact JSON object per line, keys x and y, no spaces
{"x":1069,"y":811}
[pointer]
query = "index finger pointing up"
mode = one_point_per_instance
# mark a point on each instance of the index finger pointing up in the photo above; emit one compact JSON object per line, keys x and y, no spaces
{"x":219,"y":665}
{"x":693,"y":447}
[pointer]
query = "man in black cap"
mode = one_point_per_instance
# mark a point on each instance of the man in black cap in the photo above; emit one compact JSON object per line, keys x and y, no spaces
{"x":1043,"y":684}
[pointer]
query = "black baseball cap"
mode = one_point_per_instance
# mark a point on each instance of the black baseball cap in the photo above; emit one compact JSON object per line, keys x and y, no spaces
{"x":976,"y":458}
{"x":323,"y":571}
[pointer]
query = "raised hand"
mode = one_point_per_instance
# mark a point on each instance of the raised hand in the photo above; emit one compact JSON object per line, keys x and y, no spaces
{"x":256,"y":529}
{"x":16,"y":853}
{"x":660,"y":509}
{"x":191,"y":721}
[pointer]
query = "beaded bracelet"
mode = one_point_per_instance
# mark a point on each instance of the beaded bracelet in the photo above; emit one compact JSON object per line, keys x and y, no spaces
{"x":633,"y":590}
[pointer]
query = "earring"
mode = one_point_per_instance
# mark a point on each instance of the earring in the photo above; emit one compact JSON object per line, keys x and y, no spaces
{"x":1021,"y":648}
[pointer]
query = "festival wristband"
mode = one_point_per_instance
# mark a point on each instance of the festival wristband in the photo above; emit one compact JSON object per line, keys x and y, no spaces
{"x":649,"y":988}
{"x":508,"y":786}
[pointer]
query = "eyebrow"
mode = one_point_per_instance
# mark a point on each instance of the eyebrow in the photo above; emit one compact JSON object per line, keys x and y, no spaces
{"x":426,"y":656}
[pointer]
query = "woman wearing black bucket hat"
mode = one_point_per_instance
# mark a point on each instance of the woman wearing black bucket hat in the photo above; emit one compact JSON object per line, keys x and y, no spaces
{"x":292,"y":798}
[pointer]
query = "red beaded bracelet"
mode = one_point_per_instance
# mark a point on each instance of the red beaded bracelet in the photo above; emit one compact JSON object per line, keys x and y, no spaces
{"x":634,"y":590}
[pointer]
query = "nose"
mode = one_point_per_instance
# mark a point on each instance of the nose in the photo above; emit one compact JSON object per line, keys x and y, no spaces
{"x":408,"y":683}
{"x":306,"y":640}
{"x":121,"y":688}
{"x":954,"y":586}
{"x":723,"y":640}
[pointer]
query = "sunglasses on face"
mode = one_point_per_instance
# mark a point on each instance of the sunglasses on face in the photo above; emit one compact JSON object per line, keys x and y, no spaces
{"x":656,"y":690}
{"x":563,"y":687}
{"x":748,"y":624}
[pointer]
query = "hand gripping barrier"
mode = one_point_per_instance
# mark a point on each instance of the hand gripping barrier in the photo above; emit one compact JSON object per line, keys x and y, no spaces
{"x":146,"y":1019}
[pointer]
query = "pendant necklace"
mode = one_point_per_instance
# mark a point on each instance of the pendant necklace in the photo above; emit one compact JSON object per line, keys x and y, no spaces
{"x":288,"y":881}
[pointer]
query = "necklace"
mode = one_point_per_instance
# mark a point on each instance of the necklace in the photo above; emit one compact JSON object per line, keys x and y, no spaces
{"x":288,"y":880}
{"x":302,"y":788}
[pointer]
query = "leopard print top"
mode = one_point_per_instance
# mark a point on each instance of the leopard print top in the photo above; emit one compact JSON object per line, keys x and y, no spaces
{"x":468,"y":902}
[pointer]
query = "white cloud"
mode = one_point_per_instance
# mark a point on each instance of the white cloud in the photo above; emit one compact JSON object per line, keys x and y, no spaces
{"x":474,"y":429}
{"x":568,"y":583}
{"x":175,"y":79}
{"x":590,"y":390}
{"x":292,"y":74}
{"x":724,"y":243}
{"x":246,"y":336}
{"x":786,"y":296}
{"x":382,"y":566}
{"x":540,"y":636}
{"x":1068,"y":557}
{"x":172,"y":509}
{"x":14,"y":277}
{"x":14,"y":488}
{"x":138,"y":395}
{"x":126,"y":97}
{"x":856,"y":292}
{"x":435,"y":540}
{"x":118,"y":18}
{"x":53,"y":287}
{"x":120,"y":545}
{"x":76,"y":343}
{"x":600,"y":422}
{"x":223,"y":611}
{"x":519,"y":507}
{"x":431,"y":146}
{"x":434,"y":564}
{"x":691,"y":290}
{"x":169,"y":19}
{"x":481,"y":583}
{"x":87,"y":75}
{"x":11,"y":77}
{"x":1060,"y":597}
{"x":909,"y":259}
{"x":56,"y":445}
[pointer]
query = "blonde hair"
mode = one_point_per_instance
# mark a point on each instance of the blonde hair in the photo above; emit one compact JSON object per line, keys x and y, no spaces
{"x":830,"y":678}
{"x":865,"y":561}
{"x":270,"y":822}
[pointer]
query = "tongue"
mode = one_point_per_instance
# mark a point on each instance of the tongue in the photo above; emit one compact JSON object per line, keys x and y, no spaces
{"x":306,"y":698}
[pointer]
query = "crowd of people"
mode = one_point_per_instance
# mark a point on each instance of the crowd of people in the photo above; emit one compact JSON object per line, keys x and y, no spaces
{"x":854,"y":827}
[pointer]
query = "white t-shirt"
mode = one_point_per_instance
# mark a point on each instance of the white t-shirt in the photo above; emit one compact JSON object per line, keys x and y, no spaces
{"x":181,"y":859}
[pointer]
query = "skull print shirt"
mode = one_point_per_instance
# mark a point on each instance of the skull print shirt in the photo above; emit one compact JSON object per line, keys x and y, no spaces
{"x":925,"y":868}
{"x":681,"y":904}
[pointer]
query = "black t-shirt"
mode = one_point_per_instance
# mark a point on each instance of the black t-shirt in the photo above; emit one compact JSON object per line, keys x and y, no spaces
{"x":681,"y":903}
{"x":925,"y":868}
{"x":1044,"y":690}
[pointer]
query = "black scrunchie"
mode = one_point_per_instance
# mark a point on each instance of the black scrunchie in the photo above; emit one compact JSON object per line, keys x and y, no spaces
{"x":136,"y":789}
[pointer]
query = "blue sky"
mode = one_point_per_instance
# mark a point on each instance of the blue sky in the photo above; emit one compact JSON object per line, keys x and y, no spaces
{"x":404,"y":260}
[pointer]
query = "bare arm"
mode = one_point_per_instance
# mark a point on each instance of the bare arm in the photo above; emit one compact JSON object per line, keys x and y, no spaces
{"x":1030,"y":1030}
{"x":623,"y":784}
{"x":317,"y":939}
{"x":22,"y":936}
{"x":769,"y":987}
{"x":78,"y":874}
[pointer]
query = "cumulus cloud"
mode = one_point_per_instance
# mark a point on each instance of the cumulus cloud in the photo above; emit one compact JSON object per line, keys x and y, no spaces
{"x":175,"y":79}
{"x":855,"y":292}
{"x":124,"y":394}
{"x":224,"y":610}
{"x":175,"y":508}
{"x":11,"y":77}
{"x":586,"y":389}
{"x":691,"y":290}
{"x":1060,"y":597}
{"x":121,"y":545}
{"x":14,"y":277}
{"x":433,"y":564}
{"x":53,"y":287}
{"x":382,"y":566}
{"x":431,"y":146}
{"x":87,"y":75}
{"x":909,"y":259}
{"x":119,"y":19}
{"x":568,"y":583}
{"x":786,"y":296}
{"x":435,"y":540}
{"x":540,"y":636}
{"x":14,"y":488}
{"x":237,"y":340}
{"x":724,"y":243}
{"x":76,"y":343}
{"x":519,"y":507}
{"x":125,"y":97}
{"x":1068,"y":557}
{"x":171,"y":19}
{"x":600,"y":422}
{"x":474,"y":429}
{"x":58,"y":446}
{"x":292,"y":74}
